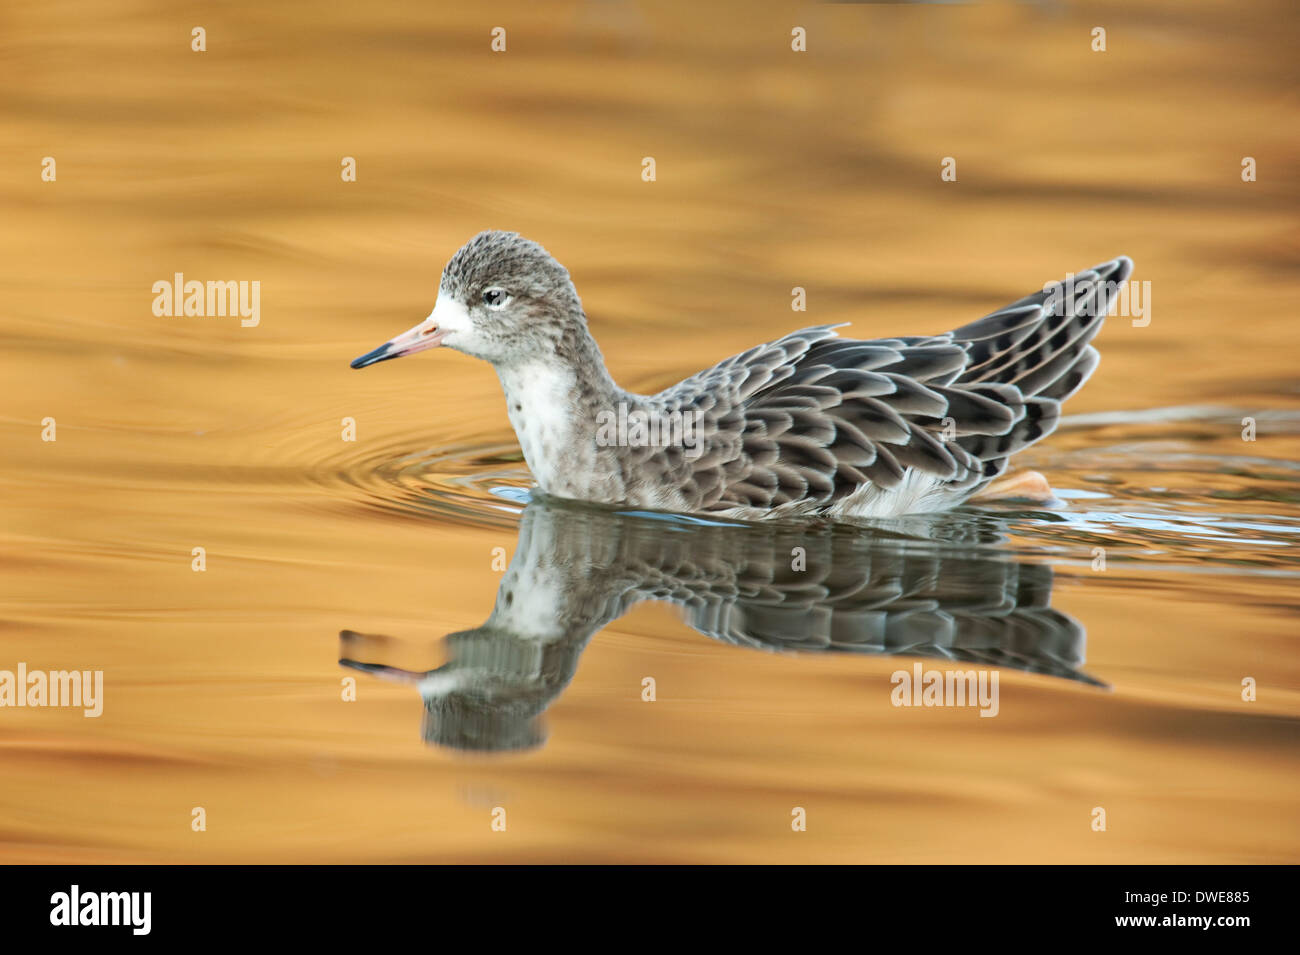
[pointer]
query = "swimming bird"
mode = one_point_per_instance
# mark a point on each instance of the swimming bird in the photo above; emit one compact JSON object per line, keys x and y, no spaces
{"x":808,"y":424}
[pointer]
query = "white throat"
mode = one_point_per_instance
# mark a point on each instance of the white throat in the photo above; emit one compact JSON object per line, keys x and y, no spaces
{"x":540,"y":403}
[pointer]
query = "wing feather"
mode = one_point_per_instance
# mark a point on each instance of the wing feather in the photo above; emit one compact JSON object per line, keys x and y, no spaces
{"x":811,"y":417}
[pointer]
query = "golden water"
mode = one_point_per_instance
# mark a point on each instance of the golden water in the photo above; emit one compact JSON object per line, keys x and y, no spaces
{"x":223,"y":689}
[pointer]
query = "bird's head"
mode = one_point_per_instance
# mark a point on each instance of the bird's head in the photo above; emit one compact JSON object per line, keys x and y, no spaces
{"x":502,"y":298}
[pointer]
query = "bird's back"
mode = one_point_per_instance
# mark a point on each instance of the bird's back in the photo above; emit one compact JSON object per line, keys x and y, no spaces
{"x":814,"y":423}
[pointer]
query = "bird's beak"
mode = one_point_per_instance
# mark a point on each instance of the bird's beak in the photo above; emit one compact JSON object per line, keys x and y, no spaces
{"x":425,"y":335}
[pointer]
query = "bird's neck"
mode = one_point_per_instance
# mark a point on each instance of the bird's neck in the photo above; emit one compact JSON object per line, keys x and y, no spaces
{"x":553,"y":400}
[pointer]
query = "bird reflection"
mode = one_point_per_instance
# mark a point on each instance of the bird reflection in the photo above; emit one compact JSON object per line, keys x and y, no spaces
{"x":925,"y":587}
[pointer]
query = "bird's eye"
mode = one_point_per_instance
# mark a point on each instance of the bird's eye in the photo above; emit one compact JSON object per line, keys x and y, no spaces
{"x":496,"y":298}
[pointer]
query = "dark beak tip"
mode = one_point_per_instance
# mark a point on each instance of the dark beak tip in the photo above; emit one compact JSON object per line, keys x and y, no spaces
{"x":370,"y":357}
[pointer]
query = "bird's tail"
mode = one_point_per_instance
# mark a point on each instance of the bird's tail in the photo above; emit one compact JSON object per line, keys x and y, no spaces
{"x":1038,"y":350}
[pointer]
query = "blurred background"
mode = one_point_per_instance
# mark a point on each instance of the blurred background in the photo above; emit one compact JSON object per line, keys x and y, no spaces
{"x":773,"y":169}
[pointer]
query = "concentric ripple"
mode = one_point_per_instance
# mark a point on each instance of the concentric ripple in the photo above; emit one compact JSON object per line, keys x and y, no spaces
{"x":483,"y":484}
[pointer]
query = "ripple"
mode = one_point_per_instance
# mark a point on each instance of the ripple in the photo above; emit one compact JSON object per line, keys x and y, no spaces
{"x":472,"y":484}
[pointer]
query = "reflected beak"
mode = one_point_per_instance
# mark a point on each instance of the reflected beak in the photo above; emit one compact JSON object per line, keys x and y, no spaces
{"x":425,"y":335}
{"x":396,"y":674}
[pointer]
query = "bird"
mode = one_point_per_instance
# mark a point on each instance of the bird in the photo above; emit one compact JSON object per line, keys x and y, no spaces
{"x":810,"y":425}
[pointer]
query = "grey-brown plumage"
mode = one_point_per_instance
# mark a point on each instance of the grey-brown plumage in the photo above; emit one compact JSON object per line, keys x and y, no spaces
{"x":811,"y":423}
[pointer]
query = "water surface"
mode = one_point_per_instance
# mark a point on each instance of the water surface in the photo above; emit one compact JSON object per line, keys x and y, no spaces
{"x":330,"y":560}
